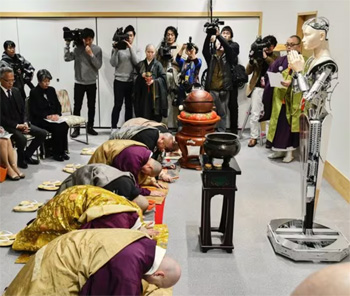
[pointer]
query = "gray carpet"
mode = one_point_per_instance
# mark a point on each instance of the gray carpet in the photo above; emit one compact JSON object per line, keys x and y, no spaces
{"x":266,"y":190}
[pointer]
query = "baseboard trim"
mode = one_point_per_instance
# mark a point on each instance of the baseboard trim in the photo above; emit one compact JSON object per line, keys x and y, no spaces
{"x":338,"y":181}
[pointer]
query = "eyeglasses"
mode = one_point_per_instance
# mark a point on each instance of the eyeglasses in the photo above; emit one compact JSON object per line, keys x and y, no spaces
{"x":9,"y":81}
{"x":291,"y":44}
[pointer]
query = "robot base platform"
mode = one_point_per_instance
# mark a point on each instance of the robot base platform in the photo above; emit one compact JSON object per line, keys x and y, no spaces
{"x":323,"y":244}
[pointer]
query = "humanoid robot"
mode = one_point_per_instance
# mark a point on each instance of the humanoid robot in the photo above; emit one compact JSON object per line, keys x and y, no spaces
{"x":304,"y":240}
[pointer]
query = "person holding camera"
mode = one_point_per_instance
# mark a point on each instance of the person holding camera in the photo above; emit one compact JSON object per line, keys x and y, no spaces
{"x":220,"y":53}
{"x":124,"y":61}
{"x":260,"y":58}
{"x":189,"y":70}
{"x":166,"y":54}
{"x":87,"y":61}
{"x":22,"y":69}
{"x":150,"y":88}
{"x":14,"y":120}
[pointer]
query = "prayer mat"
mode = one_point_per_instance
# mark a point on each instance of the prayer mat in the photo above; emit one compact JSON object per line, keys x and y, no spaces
{"x":163,"y":236}
{"x":158,"y":199}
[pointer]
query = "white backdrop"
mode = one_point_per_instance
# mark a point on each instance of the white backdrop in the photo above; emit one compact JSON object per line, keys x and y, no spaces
{"x":40,"y":41}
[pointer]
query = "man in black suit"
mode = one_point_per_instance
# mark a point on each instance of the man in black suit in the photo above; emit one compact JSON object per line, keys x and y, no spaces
{"x":13,"y":119}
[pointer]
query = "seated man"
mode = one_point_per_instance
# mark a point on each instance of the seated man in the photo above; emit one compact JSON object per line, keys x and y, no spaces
{"x":13,"y":119}
{"x":96,"y":262}
{"x":109,"y":178}
{"x":155,"y":140}
{"x":78,"y":207}
{"x":130,"y":156}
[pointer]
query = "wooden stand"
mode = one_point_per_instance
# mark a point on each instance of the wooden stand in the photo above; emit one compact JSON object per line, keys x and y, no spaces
{"x":221,"y":182}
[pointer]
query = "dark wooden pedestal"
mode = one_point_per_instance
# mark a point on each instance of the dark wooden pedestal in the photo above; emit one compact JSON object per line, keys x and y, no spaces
{"x":218,"y":182}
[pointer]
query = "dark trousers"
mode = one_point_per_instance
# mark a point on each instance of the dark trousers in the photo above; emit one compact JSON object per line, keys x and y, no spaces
{"x":79,"y":92}
{"x":233,"y":107}
{"x":59,"y":133}
{"x":122,"y":90}
{"x":21,"y":141}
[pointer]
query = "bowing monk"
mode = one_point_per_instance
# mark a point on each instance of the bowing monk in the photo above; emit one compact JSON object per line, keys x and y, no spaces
{"x":96,"y":262}
{"x":78,"y":207}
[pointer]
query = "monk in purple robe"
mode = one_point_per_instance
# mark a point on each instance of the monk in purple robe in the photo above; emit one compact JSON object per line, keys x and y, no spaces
{"x":96,"y":262}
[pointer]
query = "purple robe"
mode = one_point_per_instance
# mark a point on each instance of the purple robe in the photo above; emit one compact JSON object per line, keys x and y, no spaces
{"x":118,"y":220}
{"x":268,"y":90}
{"x":122,"y":274}
{"x":132,"y":159}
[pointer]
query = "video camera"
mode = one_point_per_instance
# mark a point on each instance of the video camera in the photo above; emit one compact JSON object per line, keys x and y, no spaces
{"x":257,"y":48}
{"x":119,"y":37}
{"x":165,"y":50}
{"x":189,"y":44}
{"x":213,"y":26}
{"x":73,"y":35}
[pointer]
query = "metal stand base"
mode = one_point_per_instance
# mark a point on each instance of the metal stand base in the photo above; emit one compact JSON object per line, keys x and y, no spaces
{"x":323,"y":244}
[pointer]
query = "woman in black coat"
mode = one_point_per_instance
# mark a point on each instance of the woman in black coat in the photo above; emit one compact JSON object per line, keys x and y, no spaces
{"x":45,"y":112}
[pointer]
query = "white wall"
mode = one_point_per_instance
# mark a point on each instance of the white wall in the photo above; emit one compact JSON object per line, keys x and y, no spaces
{"x":279,"y":19}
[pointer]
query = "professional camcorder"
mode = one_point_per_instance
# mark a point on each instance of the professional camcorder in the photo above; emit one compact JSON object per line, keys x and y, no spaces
{"x":189,"y":44}
{"x":119,"y":37}
{"x":257,"y":48}
{"x":165,"y":50}
{"x":73,"y":35}
{"x":22,"y":73}
{"x":213,"y":26}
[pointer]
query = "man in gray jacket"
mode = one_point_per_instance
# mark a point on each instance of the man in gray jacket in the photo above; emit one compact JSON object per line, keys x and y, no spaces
{"x":87,"y":61}
{"x":124,"y":61}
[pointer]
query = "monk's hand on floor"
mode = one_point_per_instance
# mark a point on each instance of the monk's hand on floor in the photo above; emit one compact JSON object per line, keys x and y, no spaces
{"x":168,"y":178}
{"x":157,"y":193}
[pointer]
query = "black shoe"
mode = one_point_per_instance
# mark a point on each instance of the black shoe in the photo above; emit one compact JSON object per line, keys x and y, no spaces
{"x":75,"y":133}
{"x":268,"y":145}
{"x":31,"y":160}
{"x":65,"y":156}
{"x":22,"y":164}
{"x":91,"y":131}
{"x":58,"y":157}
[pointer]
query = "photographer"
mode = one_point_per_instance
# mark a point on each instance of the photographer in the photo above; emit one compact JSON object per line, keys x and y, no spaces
{"x":219,"y":78}
{"x":87,"y":61}
{"x":22,"y":69}
{"x":166,"y":53}
{"x":189,"y":70}
{"x":260,"y":57}
{"x":124,"y":61}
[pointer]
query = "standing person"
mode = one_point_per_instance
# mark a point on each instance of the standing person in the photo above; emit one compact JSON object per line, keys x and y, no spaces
{"x":219,"y":77}
{"x":166,"y":53}
{"x":283,"y":134}
{"x":14,"y":120}
{"x":22,"y":69}
{"x":189,"y":70}
{"x":150,"y":88}
{"x":45,"y":111}
{"x":124,"y":61}
{"x":87,"y":61}
{"x":258,"y":65}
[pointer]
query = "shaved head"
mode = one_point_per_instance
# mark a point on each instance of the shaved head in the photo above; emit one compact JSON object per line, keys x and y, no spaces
{"x":167,"y":275}
{"x":333,"y":280}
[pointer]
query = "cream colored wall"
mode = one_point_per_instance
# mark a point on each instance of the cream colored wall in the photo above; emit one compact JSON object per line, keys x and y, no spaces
{"x":279,"y":19}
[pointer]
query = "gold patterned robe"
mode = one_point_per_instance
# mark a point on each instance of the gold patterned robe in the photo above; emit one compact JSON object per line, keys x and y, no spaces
{"x":69,"y":211}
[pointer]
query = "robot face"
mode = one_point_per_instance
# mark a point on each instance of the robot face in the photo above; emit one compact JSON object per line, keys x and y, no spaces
{"x":312,"y":38}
